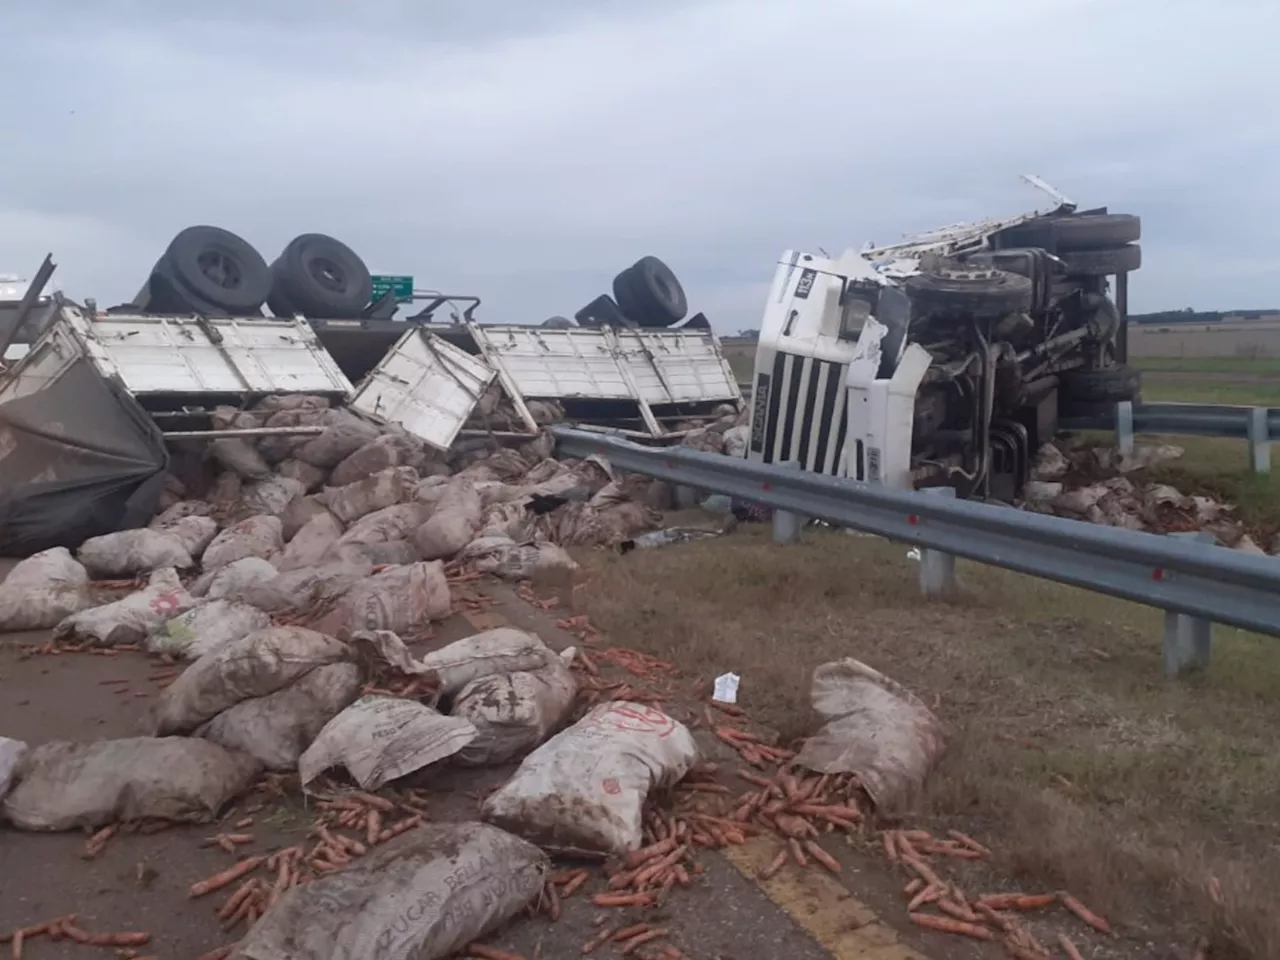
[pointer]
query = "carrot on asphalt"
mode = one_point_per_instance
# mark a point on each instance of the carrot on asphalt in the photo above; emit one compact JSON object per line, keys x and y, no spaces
{"x":225,"y":877}
{"x":575,"y":883}
{"x":596,"y":942}
{"x":622,"y":899}
{"x":822,"y":856}
{"x":946,"y":925}
{"x":644,"y":854}
{"x":776,"y":864}
{"x":928,"y":895}
{"x":1069,"y":948}
{"x":635,"y":943}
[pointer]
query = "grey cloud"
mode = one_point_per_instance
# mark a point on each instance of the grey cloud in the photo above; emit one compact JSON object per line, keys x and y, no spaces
{"x":528,"y":151}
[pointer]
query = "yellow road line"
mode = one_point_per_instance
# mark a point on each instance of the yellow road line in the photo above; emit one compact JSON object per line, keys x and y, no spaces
{"x":821,"y":906}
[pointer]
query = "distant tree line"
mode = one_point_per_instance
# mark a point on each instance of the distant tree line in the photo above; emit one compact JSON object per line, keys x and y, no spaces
{"x":1187,"y":315}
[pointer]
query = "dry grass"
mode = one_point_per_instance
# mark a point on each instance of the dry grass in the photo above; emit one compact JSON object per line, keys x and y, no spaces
{"x":1071,"y":753}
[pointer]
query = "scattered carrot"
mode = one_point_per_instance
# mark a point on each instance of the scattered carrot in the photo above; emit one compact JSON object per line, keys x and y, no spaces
{"x":1069,"y":948}
{"x":635,"y":943}
{"x":98,"y":842}
{"x":225,"y":877}
{"x":913,"y":887}
{"x":661,"y":848}
{"x":221,"y":953}
{"x":928,"y":895}
{"x":968,"y":841}
{"x":626,"y":933}
{"x":1084,"y":913}
{"x":946,"y":925}
{"x":236,"y":899}
{"x":1019,"y":901}
{"x":575,"y":883}
{"x":776,"y":864}
{"x":890,"y":845}
{"x":622,"y":899}
{"x":596,"y":942}
{"x":797,"y":852}
{"x":822,"y":856}
{"x":119,"y":939}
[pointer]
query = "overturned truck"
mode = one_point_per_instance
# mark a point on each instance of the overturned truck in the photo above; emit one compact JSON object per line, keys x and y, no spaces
{"x":947,"y":359}
{"x":106,"y":406}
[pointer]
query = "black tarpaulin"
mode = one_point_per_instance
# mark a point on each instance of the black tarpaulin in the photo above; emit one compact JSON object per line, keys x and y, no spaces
{"x":78,"y":458}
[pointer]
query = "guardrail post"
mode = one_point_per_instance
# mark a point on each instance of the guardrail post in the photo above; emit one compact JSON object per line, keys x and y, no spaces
{"x":686,"y":498}
{"x":1187,"y":639}
{"x":787,"y":525}
{"x":1124,"y":427}
{"x":937,"y":569}
{"x":1259,"y":441}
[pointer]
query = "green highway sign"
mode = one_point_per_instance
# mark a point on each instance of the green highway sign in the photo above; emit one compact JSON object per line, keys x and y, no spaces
{"x":402,"y":287}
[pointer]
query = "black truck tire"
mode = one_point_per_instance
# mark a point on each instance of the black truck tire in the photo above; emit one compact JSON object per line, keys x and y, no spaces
{"x":1103,"y":263}
{"x":1108,"y":385}
{"x":649,"y":293}
{"x":982,"y":293}
{"x":322,"y":277}
{"x":1085,"y":231}
{"x":216,"y":266}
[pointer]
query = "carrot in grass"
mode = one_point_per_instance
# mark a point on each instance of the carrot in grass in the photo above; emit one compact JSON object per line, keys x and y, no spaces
{"x":1084,"y":913}
{"x":946,"y":925}
{"x":968,"y":841}
{"x":225,"y":877}
{"x":1069,"y":948}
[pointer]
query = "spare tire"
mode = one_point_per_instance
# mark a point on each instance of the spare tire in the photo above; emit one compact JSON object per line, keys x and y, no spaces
{"x":1103,"y":263}
{"x":649,"y":293}
{"x":600,"y":311}
{"x":322,"y":278}
{"x":217,"y":267}
{"x":981,"y":292}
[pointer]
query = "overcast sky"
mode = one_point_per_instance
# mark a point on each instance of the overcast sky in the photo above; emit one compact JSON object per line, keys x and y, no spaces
{"x":525,"y":151}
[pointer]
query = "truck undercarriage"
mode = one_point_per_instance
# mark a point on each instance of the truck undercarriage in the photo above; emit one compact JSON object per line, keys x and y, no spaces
{"x":945,"y":360}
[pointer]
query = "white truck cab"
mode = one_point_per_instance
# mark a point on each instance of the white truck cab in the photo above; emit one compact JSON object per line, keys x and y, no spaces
{"x":835,"y":382}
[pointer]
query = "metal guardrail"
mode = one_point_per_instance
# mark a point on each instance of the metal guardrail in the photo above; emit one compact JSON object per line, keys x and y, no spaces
{"x":1194,"y":582}
{"x":1258,"y":425}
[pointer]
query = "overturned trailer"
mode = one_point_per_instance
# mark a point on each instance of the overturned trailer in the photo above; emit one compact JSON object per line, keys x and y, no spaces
{"x":946,"y":359}
{"x":93,"y":413}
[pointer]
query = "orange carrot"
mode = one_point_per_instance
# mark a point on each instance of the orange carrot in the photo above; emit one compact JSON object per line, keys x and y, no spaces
{"x":644,"y":854}
{"x":959,"y":911}
{"x":797,"y":853}
{"x":233,"y":902}
{"x":1084,"y":913}
{"x":947,"y":925}
{"x":1006,"y":901}
{"x":225,"y":877}
{"x":968,"y":841}
{"x":575,"y":883}
{"x":596,"y":942}
{"x":913,"y":887}
{"x":635,"y":943}
{"x":928,"y":895}
{"x":626,"y":933}
{"x":890,"y":845}
{"x":1069,"y":948}
{"x":993,"y":918}
{"x":822,"y":856}
{"x":776,"y":864}
{"x":622,"y":899}
{"x":221,"y":953}
{"x":553,"y":902}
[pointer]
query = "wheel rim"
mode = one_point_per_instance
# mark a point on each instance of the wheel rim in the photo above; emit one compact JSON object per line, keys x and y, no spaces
{"x":221,"y":268}
{"x":327,"y":274}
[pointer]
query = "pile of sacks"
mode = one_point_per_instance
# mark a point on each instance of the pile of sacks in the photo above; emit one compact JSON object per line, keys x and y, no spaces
{"x":298,"y":525}
{"x":1100,"y":485}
